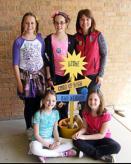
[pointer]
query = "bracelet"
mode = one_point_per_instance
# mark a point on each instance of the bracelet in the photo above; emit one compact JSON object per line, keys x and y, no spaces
{"x":58,"y":142}
{"x":49,"y":79}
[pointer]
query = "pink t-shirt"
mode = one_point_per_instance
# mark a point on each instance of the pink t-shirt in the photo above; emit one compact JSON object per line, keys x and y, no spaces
{"x":94,"y":124}
{"x":60,"y":50}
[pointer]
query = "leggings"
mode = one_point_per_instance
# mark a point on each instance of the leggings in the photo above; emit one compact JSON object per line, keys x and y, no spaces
{"x":37,"y":148}
{"x":97,"y":148}
{"x":31,"y":106}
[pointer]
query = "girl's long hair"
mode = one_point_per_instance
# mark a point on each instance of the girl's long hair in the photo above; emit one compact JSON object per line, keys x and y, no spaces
{"x":101,"y":108}
{"x":48,"y":92}
{"x":23,"y":19}
{"x":88,"y":14}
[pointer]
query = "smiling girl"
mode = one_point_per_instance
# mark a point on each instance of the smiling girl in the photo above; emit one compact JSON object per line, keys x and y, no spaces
{"x":46,"y":141}
{"x":28,"y":65}
{"x":58,"y":44}
{"x":94,"y":139}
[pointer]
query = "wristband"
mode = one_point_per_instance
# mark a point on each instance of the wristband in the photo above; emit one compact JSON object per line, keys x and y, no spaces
{"x":58,"y":142}
{"x":49,"y":79}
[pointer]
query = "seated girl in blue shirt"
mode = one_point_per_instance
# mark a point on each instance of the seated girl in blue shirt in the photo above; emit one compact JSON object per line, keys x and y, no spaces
{"x":46,"y":141}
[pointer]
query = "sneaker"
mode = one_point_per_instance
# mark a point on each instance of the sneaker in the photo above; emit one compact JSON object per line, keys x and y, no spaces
{"x":42,"y":159}
{"x":113,"y":158}
{"x":108,"y":158}
{"x":81,"y":154}
{"x":29,"y":152}
{"x":29,"y":133}
{"x":70,"y":153}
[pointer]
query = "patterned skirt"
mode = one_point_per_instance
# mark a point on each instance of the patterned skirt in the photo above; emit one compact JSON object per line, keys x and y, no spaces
{"x":34,"y":83}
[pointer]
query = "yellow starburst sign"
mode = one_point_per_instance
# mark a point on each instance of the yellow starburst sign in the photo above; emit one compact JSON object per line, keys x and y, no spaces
{"x":73,"y":64}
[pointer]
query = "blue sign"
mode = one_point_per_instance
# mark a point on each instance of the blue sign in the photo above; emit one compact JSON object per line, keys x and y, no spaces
{"x":71,"y":97}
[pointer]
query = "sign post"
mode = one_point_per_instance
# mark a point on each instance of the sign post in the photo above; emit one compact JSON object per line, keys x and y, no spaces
{"x":73,"y":65}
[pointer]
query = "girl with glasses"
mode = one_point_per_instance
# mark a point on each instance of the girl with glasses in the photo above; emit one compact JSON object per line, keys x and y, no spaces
{"x":58,"y":44}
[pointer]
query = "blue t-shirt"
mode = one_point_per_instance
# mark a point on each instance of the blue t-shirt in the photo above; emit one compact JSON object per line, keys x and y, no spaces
{"x":46,"y":122}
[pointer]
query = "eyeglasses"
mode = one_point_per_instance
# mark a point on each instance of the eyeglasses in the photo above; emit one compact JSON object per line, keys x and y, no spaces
{"x":61,"y":23}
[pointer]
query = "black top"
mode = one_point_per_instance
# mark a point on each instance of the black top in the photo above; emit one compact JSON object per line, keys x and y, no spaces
{"x":49,"y":57}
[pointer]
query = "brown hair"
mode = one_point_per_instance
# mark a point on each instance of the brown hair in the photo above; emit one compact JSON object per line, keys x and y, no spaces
{"x":101,"y":109}
{"x":48,"y":92}
{"x":88,"y":14}
{"x":23,"y":19}
{"x":67,"y":18}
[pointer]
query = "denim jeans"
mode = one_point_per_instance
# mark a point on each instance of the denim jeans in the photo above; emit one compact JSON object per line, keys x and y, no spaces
{"x":97,"y":148}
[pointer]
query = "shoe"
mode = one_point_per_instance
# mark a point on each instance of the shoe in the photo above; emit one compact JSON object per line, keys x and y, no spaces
{"x":29,"y":133}
{"x":29,"y":152}
{"x":108,"y":158}
{"x":113,"y":156}
{"x":70,"y":153}
{"x":42,"y":159}
{"x":81,"y":154}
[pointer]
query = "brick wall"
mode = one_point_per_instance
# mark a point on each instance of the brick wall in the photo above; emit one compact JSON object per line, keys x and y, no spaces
{"x":113,"y":18}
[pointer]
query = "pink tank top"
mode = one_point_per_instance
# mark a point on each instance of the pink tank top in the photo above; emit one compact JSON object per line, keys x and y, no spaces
{"x":60,"y":50}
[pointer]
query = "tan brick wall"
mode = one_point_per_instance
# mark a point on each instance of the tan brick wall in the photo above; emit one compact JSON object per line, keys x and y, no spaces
{"x":113,"y":18}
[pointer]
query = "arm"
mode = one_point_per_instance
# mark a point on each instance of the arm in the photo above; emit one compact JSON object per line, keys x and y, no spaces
{"x":48,"y":72}
{"x":38,"y":137}
{"x":55,"y":132}
{"x":56,"y":137}
{"x":103,"y":54}
{"x":97,"y":136}
{"x":18,"y":80}
{"x":47,"y":59}
{"x":81,"y":131}
{"x":16,"y":61}
{"x":47,"y":66}
{"x":50,"y":82}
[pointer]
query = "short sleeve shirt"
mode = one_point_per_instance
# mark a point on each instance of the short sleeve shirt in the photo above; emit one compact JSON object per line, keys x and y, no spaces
{"x":46,"y":122}
{"x":94,"y":124}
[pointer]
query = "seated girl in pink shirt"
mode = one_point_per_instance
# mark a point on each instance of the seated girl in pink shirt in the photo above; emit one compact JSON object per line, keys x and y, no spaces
{"x":94,"y":139}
